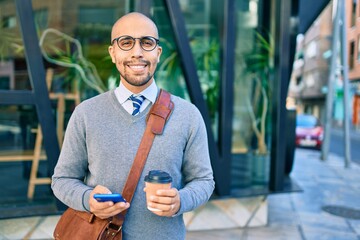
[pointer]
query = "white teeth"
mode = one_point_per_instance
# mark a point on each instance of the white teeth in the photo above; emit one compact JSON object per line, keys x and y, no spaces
{"x":137,"y":67}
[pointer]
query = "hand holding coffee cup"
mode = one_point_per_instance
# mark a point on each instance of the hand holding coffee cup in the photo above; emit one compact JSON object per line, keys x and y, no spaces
{"x":161,"y":199}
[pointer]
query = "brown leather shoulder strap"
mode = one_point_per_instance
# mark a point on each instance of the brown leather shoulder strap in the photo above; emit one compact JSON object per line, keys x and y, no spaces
{"x":156,"y":119}
{"x":160,"y":112}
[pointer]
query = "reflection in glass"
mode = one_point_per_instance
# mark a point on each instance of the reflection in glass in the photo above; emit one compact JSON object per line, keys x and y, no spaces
{"x":205,"y":46}
{"x":19,"y":135}
{"x":12,"y":70}
{"x":253,"y":73}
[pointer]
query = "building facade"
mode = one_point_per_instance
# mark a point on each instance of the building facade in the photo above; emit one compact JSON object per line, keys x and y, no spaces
{"x":310,"y":74}
{"x":353,"y":41}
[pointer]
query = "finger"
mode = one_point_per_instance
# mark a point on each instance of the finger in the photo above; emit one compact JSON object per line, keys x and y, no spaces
{"x":111,"y":211}
{"x":101,"y":189}
{"x":167,"y":192}
{"x":96,"y":206}
{"x":162,"y":200}
{"x":162,"y":213}
{"x":161,"y":207}
{"x":103,"y":205}
{"x":116,"y":206}
{"x":122,"y":205}
{"x":98,"y":189}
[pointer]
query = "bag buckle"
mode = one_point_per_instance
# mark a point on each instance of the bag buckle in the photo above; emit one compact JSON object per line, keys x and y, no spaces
{"x":113,"y":228}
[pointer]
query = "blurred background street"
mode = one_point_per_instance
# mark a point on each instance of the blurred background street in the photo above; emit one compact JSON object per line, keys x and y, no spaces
{"x":337,"y":145}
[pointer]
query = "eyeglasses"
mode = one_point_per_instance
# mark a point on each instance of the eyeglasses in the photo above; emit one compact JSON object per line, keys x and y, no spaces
{"x":126,"y":43}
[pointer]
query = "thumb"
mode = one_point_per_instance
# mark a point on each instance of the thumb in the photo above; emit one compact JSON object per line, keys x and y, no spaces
{"x":101,"y":189}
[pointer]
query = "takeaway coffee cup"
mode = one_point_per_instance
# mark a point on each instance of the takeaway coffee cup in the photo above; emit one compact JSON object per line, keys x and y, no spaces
{"x":155,"y":180}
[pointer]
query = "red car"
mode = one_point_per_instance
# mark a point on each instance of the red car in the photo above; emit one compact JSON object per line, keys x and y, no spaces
{"x":309,"y":131}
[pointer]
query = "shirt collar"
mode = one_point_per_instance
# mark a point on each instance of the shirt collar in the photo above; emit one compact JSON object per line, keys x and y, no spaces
{"x":150,"y":93}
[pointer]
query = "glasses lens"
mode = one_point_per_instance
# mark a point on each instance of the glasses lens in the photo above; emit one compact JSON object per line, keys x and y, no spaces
{"x":148,"y":43}
{"x":126,"y":43}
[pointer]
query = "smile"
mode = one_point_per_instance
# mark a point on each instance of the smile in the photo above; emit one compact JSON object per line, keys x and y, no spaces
{"x":137,"y":68}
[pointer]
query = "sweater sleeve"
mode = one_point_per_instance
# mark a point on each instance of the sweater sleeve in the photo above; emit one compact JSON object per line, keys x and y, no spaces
{"x":197,"y":171}
{"x":71,"y":169}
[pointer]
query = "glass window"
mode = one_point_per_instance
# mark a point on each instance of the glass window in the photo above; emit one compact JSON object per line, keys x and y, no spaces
{"x":245,"y":47}
{"x":204,"y":43}
{"x":253,"y":73}
{"x":311,"y":50}
{"x":19,"y":137}
{"x":13,"y":73}
{"x":169,"y":74}
{"x":96,"y":15}
{"x":69,"y":36}
{"x":358,"y":48}
{"x":353,"y":12}
{"x":74,"y":41}
{"x":310,"y":80}
{"x":352,"y":55}
{"x":307,"y":121}
{"x":9,"y":22}
{"x":41,"y":18}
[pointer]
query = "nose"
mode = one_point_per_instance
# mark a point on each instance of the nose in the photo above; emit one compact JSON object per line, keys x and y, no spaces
{"x":137,"y":51}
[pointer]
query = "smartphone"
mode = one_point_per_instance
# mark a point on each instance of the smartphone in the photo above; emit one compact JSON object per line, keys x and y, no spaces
{"x":115,"y":197}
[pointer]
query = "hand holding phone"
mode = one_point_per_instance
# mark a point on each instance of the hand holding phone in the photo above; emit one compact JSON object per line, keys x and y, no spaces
{"x":114,"y":197}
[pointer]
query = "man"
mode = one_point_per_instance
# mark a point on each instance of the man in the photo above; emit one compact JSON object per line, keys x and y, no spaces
{"x":103,"y":136}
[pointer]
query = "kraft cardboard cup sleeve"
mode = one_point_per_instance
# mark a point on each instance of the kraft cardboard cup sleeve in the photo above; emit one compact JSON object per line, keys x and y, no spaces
{"x":155,"y":180}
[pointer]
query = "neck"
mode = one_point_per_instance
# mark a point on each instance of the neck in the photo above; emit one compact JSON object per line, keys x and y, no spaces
{"x":137,"y":89}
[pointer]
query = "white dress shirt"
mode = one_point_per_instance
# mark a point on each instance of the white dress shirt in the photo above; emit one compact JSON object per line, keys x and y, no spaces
{"x":122,"y":94}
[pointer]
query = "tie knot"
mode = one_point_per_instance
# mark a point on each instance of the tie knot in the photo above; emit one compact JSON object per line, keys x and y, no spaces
{"x":137,"y":101}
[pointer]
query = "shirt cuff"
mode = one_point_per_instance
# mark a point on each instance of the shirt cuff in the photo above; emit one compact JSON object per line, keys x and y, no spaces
{"x":85,"y":200}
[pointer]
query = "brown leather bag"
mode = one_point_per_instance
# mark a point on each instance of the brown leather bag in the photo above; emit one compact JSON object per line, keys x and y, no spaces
{"x":75,"y":224}
{"x":78,"y":225}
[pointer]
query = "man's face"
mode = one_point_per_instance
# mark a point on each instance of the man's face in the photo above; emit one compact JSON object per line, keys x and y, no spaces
{"x":136,"y":66}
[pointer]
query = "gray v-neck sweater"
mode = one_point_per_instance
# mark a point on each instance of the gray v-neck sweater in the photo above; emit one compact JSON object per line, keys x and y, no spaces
{"x":100,"y":144}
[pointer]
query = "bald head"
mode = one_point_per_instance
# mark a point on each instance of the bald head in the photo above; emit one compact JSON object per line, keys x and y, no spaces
{"x":134,"y":24}
{"x":136,"y":65}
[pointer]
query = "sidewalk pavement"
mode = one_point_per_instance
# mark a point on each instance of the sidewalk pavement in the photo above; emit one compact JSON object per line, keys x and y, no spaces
{"x":328,"y":208}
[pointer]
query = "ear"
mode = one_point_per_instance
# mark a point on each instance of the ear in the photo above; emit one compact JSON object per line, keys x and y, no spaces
{"x":159,"y":53}
{"x":112,"y":53}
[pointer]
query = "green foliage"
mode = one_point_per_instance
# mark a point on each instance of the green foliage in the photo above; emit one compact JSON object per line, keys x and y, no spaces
{"x":10,"y":42}
{"x":63,"y":50}
{"x":206,"y":56}
{"x":259,"y":66}
{"x":94,"y":32}
{"x":260,"y":61}
{"x":170,"y":61}
{"x":207,"y":61}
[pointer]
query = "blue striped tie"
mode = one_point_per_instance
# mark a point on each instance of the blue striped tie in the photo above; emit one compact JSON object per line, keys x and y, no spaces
{"x":137,"y":101}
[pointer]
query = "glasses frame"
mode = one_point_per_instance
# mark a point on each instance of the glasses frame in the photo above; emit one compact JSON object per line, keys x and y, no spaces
{"x":126,"y":36}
